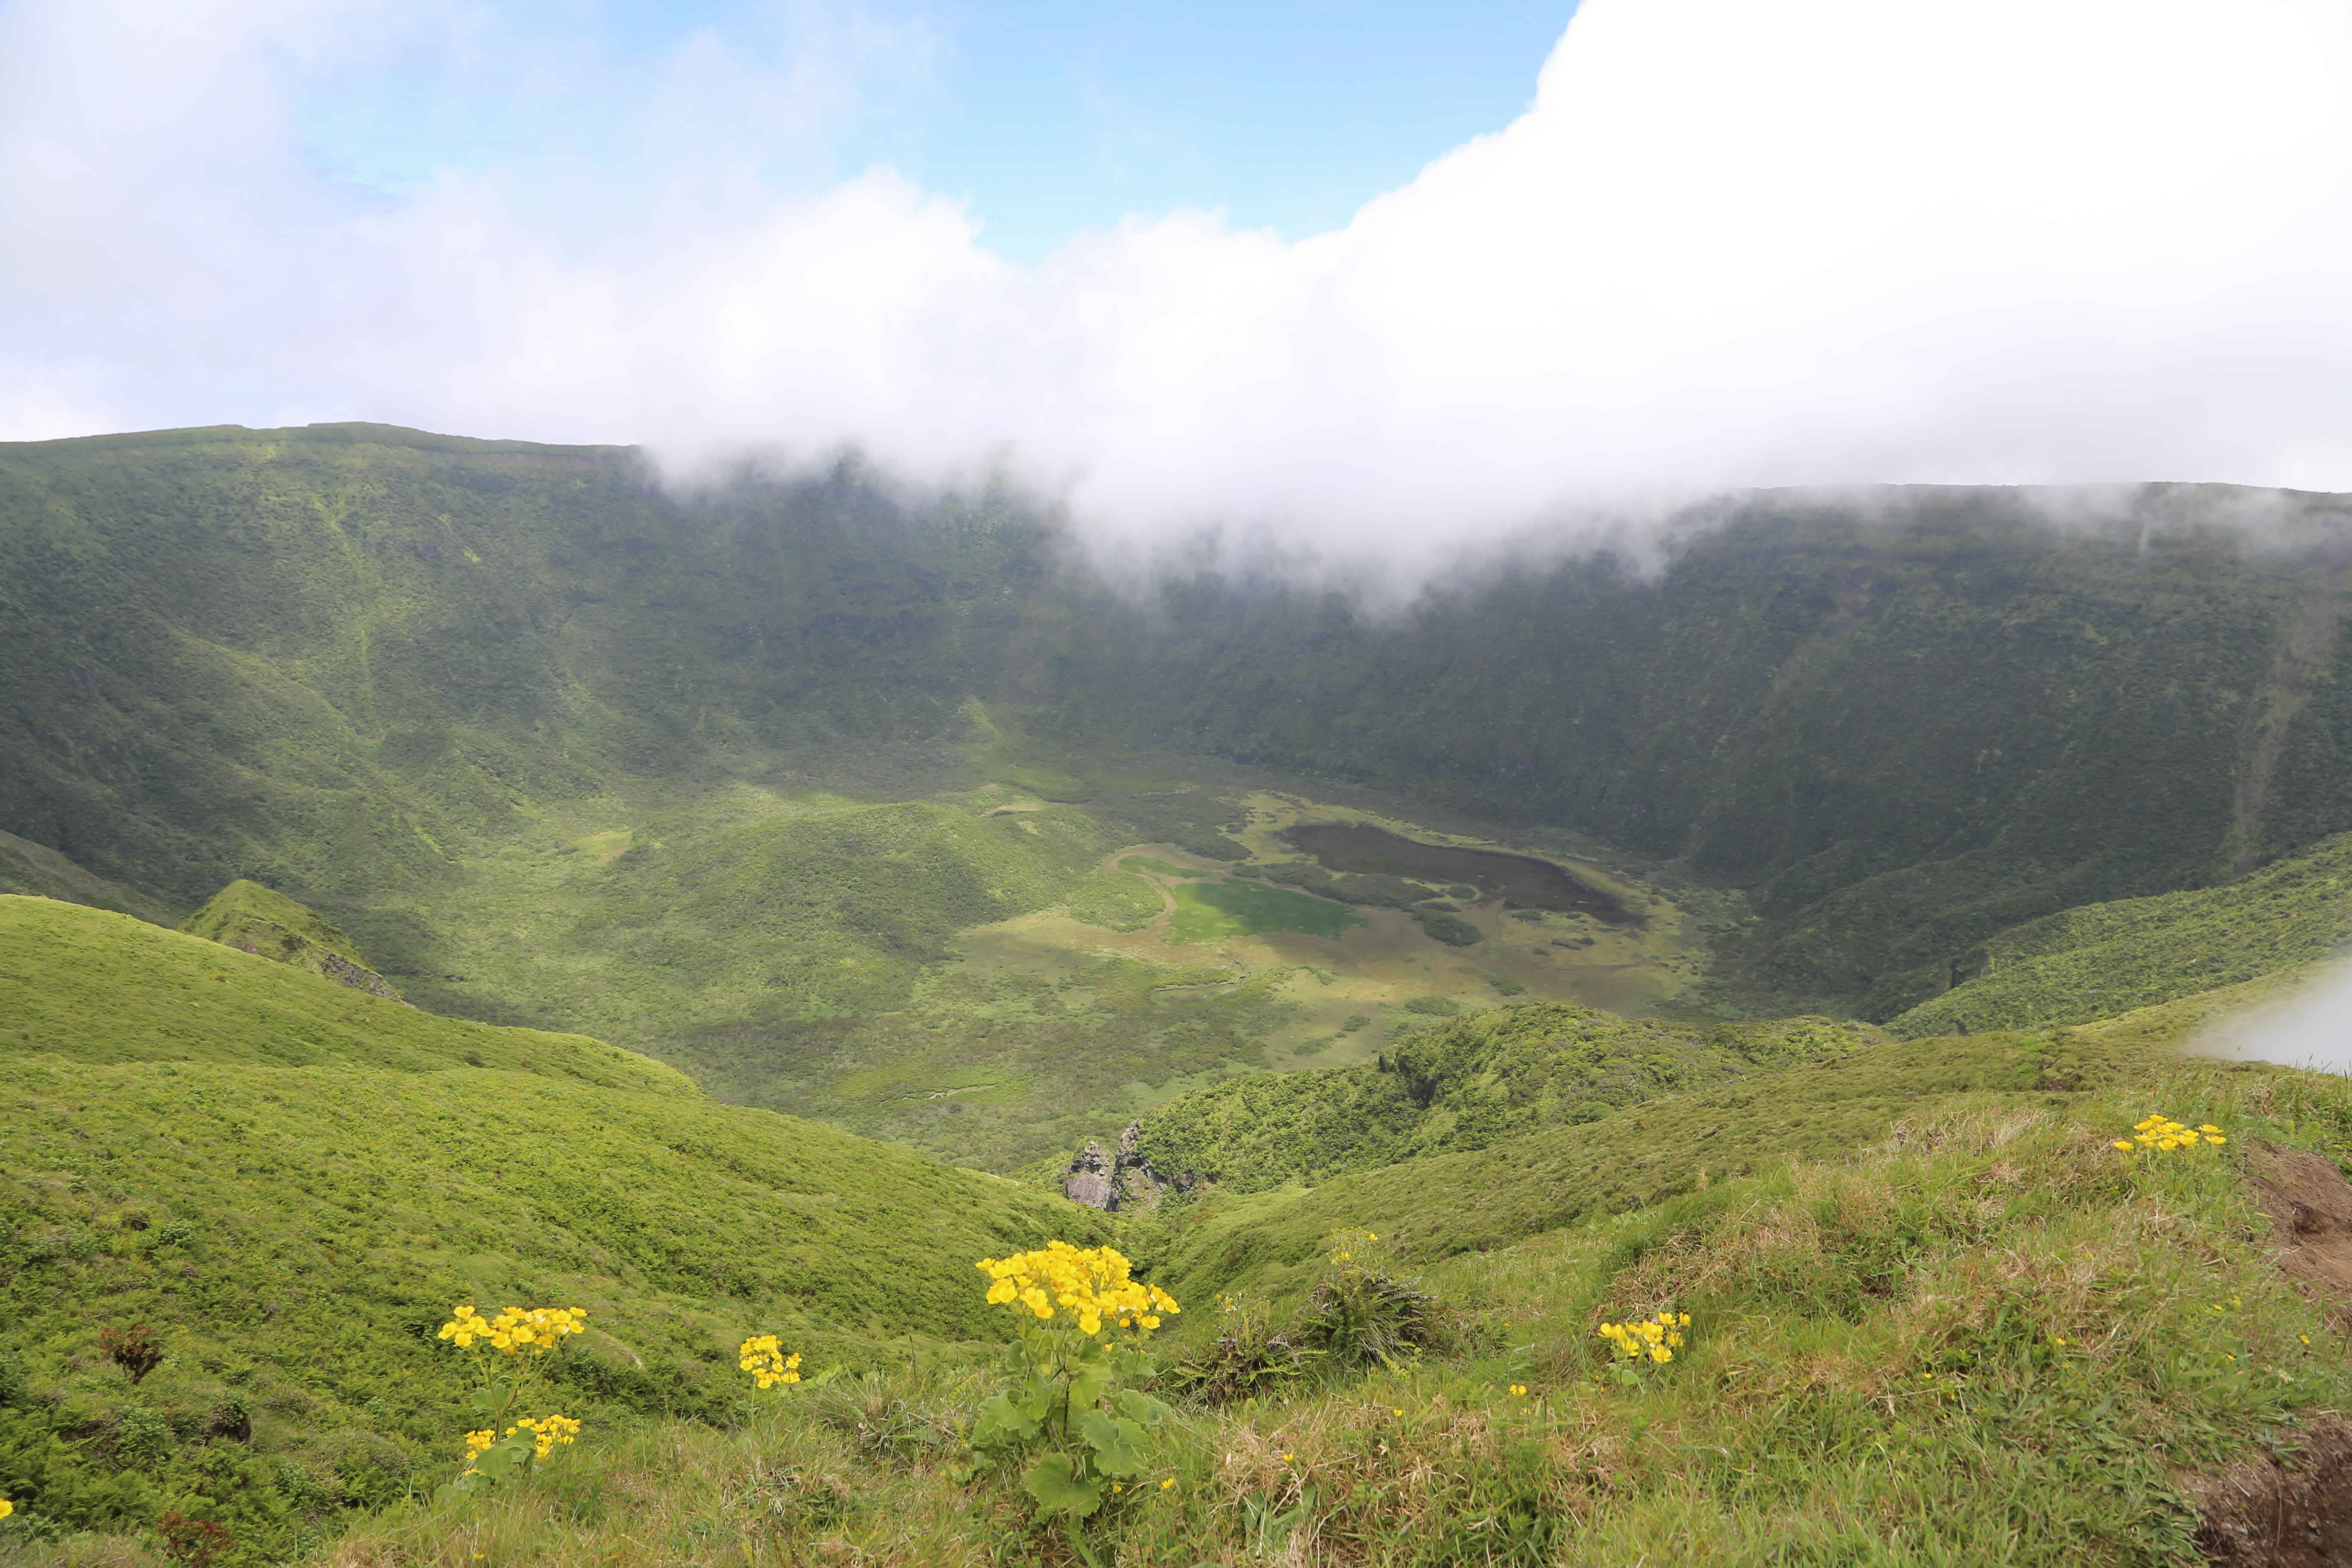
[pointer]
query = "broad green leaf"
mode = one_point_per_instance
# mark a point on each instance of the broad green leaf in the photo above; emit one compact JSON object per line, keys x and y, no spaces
{"x":1036,"y":1398}
{"x":1055,"y":1482}
{"x":1140,"y":1406}
{"x":1118,"y":1443}
{"x":1088,"y":1383}
{"x":1002,"y":1420}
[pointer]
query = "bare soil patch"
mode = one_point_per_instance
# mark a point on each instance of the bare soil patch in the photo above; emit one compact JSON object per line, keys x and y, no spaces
{"x":2295,"y":1510}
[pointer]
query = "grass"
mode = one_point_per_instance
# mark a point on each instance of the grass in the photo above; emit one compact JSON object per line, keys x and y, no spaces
{"x":1213,"y":911}
{"x":92,"y":988}
{"x":1116,"y":900}
{"x":1161,"y":867}
{"x":291,"y":1182}
{"x":1459,"y":1085}
{"x":2103,"y":960}
{"x":260,"y":921}
{"x":1986,"y":1338}
{"x":1650,"y":1152}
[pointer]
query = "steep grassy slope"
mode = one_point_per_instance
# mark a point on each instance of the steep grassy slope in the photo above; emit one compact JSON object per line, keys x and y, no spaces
{"x":1460,"y":1085}
{"x":1562,"y":1175}
{"x":1986,"y":1338}
{"x":2106,"y":959}
{"x":266,"y":924}
{"x":35,"y":870}
{"x":321,"y":657}
{"x":92,"y":987}
{"x":291,"y":1182}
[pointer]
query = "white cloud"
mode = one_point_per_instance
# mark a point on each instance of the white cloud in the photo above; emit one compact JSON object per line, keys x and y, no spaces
{"x":2312,"y":1028}
{"x":1816,"y":242}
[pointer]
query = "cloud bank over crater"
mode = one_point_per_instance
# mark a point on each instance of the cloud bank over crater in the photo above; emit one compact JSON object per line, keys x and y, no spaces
{"x":1821,"y":242}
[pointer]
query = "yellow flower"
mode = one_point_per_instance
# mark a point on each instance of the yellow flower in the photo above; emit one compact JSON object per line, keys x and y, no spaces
{"x":537,"y":1329}
{"x":762,"y":1356}
{"x":1519,"y":1389}
{"x":1093,"y":1285}
{"x":6,"y":1508}
{"x":1166,"y":1484}
{"x":1656,"y":1337}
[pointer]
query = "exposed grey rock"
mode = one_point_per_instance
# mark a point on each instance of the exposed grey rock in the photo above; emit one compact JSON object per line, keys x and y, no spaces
{"x":1126,"y":1180}
{"x":1092,"y":1179}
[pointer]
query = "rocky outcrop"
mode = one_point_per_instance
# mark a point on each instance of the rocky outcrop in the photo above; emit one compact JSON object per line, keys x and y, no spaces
{"x":1092,"y":1179}
{"x":1126,"y":1180}
{"x":268,"y":924}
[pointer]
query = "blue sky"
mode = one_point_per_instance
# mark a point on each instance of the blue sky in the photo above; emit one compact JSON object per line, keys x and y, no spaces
{"x":1048,"y":118}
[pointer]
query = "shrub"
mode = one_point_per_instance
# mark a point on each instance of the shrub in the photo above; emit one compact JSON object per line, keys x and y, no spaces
{"x":1249,"y":1359}
{"x":194,"y":1541}
{"x":1361,"y":1317}
{"x":1451,"y":930}
{"x":134,"y":1349}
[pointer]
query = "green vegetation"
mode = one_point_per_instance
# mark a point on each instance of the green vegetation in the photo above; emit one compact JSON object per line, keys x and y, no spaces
{"x":724,"y":780}
{"x":1971,"y":1332}
{"x":253,"y":919}
{"x":1116,"y":900}
{"x":94,"y":988}
{"x":2106,"y":959}
{"x":1450,"y":929}
{"x":1900,"y":728}
{"x":1466,"y":1084}
{"x":34,"y":870}
{"x":292,"y":1182}
{"x":1212,"y":912}
{"x":1159,"y":867}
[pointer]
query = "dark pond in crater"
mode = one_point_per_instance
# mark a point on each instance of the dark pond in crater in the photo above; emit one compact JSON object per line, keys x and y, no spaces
{"x":1521,"y":881}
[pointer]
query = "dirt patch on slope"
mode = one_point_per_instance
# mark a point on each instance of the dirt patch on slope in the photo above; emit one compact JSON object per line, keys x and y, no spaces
{"x":2294,"y":1510}
{"x":2310,"y":1206}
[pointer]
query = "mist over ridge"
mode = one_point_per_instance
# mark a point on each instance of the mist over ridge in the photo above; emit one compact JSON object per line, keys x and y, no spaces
{"x":1726,"y":246}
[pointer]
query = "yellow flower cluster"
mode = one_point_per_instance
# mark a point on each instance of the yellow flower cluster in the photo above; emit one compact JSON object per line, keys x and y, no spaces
{"x":1090,"y":1283}
{"x":515,"y":1330}
{"x":549,"y":1430}
{"x":2161,"y":1133}
{"x":6,"y":1508}
{"x":764,"y":1357}
{"x":1656,"y":1337}
{"x":477,"y":1441}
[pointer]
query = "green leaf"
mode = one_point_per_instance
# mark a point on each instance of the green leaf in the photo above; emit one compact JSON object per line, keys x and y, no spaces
{"x":1089,"y":1382}
{"x":1140,"y":1406}
{"x":1055,"y":1482}
{"x":1118,"y":1443}
{"x":1002,"y":1420}
{"x":1037,"y":1397}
